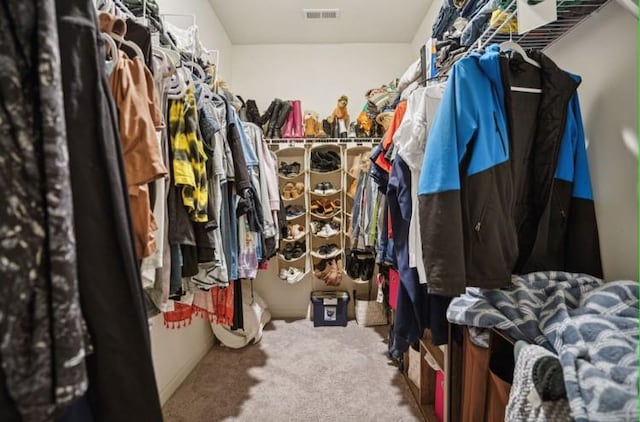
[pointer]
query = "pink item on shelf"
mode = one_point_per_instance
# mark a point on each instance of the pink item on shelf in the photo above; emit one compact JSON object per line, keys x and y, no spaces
{"x":394,"y":285}
{"x":289,"y":125}
{"x":439,"y":396}
{"x":298,"y":129}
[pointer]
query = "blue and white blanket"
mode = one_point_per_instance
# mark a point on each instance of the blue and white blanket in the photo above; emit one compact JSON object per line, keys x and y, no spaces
{"x":591,"y":325}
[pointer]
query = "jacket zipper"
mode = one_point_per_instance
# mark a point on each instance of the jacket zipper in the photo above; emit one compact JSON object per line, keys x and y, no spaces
{"x":478,"y":227}
{"x":504,"y":147}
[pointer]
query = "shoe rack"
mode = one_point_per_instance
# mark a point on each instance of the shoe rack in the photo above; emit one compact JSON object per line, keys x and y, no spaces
{"x":326,"y":207}
{"x":292,"y":197}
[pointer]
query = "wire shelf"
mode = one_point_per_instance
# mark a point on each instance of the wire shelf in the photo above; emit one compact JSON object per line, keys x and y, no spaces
{"x":570,"y":14}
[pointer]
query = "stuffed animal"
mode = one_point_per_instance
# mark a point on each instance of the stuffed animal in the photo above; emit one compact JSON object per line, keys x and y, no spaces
{"x":365,"y":124}
{"x":339,"y":118}
{"x":340,"y":112}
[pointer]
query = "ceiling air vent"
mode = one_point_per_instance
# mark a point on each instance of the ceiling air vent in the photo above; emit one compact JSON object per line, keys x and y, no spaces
{"x":321,"y":14}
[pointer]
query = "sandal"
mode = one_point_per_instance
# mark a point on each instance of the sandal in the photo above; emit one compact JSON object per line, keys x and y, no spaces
{"x":296,"y":232}
{"x":336,"y":204}
{"x":299,"y":187}
{"x":287,"y":191}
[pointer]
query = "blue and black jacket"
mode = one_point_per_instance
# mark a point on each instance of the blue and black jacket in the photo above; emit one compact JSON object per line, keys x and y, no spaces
{"x":505,"y":182}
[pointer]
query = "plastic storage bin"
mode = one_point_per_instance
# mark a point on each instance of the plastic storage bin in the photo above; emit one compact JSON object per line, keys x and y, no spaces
{"x":330,"y":308}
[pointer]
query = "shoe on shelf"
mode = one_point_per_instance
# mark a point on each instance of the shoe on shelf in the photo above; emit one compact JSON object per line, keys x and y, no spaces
{"x":294,"y":211}
{"x":284,"y":273}
{"x":322,"y":207}
{"x":327,"y":251}
{"x":288,"y":191}
{"x":289,"y":170}
{"x":316,"y":226}
{"x":324,"y":188}
{"x":327,"y":231}
{"x":299,"y":188}
{"x":294,"y":275}
{"x":296,"y":232}
{"x":334,"y":274}
{"x":325,"y":161}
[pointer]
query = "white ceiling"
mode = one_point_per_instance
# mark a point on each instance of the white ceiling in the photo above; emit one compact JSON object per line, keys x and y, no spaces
{"x":282,"y":21}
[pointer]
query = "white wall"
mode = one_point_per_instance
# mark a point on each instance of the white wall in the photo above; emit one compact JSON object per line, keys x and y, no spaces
{"x":176,"y":352}
{"x":424,"y":30}
{"x":604,"y":51}
{"x":212,"y":33}
{"x":317,"y":74}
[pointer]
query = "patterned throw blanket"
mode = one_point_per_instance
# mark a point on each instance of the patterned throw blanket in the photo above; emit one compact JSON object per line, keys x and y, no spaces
{"x":590,"y":325}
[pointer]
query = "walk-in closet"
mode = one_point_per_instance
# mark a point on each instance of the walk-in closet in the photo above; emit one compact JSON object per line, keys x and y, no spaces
{"x":304,"y":210}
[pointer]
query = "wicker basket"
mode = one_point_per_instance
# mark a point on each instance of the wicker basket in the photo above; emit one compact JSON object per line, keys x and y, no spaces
{"x":369,"y":312}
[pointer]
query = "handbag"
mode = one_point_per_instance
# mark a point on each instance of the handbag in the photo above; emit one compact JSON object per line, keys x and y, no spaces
{"x":369,"y":312}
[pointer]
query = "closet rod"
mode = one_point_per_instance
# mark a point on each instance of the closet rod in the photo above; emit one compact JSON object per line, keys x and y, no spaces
{"x":308,"y":141}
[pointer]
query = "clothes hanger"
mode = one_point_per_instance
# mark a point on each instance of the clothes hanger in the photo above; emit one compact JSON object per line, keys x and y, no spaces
{"x":129,"y":44}
{"x":113,"y":49}
{"x":200,"y":74}
{"x":513,"y":46}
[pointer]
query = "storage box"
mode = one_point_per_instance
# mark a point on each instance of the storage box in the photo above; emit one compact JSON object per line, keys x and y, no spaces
{"x":330,"y":308}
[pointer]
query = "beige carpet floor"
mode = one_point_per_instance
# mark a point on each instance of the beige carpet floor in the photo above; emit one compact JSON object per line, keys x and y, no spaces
{"x":297,"y":373}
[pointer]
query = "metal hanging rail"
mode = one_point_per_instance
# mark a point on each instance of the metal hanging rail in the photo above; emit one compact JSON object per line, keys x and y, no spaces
{"x":570,"y":14}
{"x":308,"y":141}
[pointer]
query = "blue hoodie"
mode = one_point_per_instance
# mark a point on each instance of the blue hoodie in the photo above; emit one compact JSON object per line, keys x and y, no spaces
{"x":498,"y":199}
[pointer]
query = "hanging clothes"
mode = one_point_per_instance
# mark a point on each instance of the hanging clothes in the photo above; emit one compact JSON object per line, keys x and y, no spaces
{"x":505,"y":191}
{"x":43,"y":336}
{"x":108,"y":273}
{"x":189,"y":158}
{"x":410,"y":140}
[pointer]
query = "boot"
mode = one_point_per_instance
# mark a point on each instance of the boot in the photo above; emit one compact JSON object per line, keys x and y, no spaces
{"x":281,"y":117}
{"x":267,"y":114}
{"x":253,"y":114}
{"x":288,"y":127}
{"x":271,"y":125}
{"x":326,"y":128}
{"x":335,"y":129}
{"x":298,"y":131}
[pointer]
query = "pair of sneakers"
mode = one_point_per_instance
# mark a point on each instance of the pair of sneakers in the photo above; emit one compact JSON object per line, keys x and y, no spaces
{"x":327,"y":251}
{"x":289,"y":170}
{"x":291,"y":275}
{"x":325,"y":188}
{"x":325,"y":229}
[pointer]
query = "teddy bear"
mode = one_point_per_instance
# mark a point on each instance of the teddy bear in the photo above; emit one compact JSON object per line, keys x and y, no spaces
{"x":337,"y":124}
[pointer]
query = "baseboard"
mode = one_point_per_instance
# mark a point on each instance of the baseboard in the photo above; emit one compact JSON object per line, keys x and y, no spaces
{"x":167,"y":391}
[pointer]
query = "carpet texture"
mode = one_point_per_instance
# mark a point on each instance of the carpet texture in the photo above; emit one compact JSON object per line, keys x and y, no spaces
{"x":297,"y":373}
